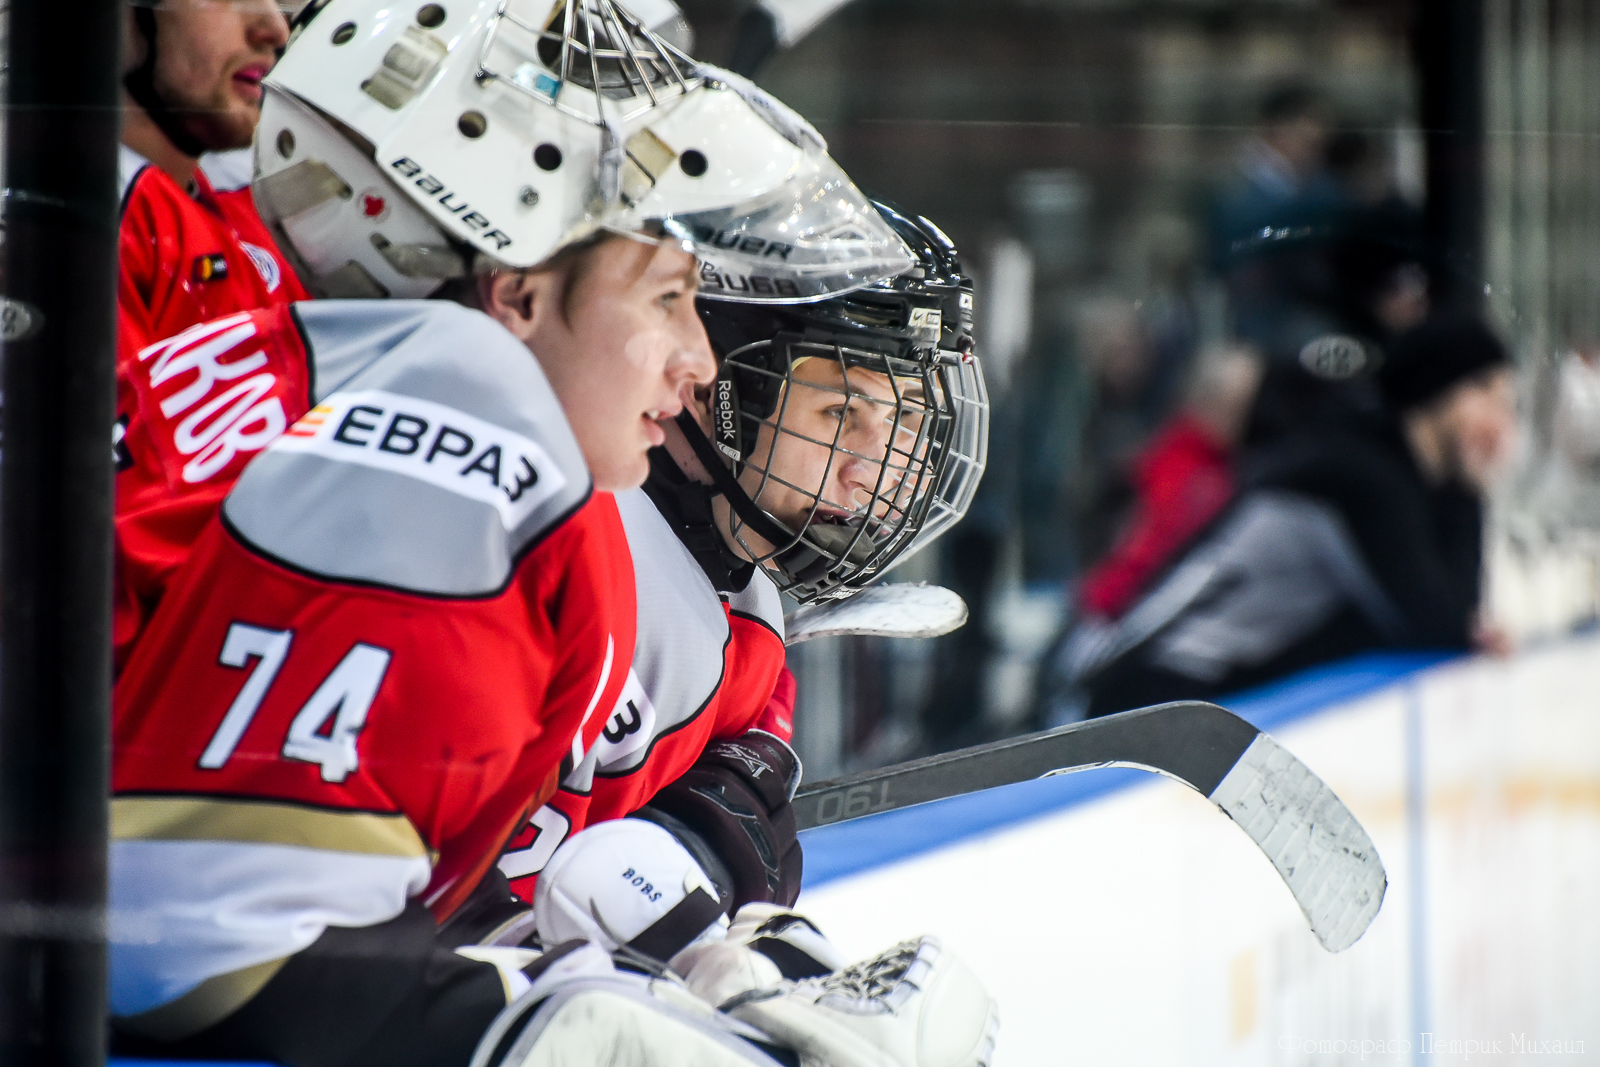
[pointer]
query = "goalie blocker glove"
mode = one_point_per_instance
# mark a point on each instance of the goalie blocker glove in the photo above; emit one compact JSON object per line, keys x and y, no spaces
{"x":914,"y":1005}
{"x":736,"y":801}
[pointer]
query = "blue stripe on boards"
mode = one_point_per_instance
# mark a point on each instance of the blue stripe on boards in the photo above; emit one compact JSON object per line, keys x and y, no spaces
{"x":848,"y":848}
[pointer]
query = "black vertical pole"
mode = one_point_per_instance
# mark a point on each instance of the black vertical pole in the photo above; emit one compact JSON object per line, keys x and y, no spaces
{"x":1448,"y":43}
{"x":59,"y":281}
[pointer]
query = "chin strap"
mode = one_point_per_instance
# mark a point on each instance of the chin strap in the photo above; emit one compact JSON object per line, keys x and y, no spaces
{"x":686,"y":505}
{"x":799,"y":559}
{"x":141,"y":85}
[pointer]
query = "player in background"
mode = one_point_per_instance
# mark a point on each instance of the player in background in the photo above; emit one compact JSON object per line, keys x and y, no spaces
{"x":193,"y":86}
{"x":187,"y":253}
{"x":412,"y":602}
{"x":862,"y":424}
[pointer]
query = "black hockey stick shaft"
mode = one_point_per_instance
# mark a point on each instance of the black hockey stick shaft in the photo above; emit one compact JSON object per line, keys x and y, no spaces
{"x":1317,"y":846}
{"x":1190,"y":740}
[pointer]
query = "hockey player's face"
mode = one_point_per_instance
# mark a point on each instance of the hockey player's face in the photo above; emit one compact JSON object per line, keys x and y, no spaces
{"x":848,"y":438}
{"x":625,"y":350}
{"x":210,"y":58}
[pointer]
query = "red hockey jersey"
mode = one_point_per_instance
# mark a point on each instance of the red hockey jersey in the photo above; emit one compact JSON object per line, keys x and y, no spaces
{"x":192,"y":410}
{"x":186,"y":258}
{"x":408,"y":612}
{"x":704,"y":667}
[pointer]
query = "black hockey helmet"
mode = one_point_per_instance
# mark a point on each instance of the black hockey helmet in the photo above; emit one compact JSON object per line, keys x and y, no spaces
{"x":912,"y":337}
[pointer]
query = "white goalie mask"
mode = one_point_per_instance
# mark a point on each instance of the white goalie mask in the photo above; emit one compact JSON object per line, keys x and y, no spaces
{"x":400,"y":146}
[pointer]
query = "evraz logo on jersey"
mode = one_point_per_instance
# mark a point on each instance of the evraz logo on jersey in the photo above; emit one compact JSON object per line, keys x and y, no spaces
{"x":433,"y":443}
{"x":221,"y":405}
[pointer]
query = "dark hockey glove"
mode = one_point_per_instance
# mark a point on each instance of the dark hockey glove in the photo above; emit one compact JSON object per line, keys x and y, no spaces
{"x":736,"y":798}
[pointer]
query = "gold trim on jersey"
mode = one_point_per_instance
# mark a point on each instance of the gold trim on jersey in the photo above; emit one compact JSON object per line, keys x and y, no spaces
{"x":264,"y":823}
{"x":206,"y":1004}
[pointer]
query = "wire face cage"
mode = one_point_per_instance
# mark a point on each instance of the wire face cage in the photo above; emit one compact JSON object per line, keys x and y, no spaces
{"x":864,"y":457}
{"x":593,"y":44}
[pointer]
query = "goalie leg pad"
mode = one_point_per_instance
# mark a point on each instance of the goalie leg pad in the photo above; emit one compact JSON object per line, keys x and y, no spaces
{"x":620,"y":1021}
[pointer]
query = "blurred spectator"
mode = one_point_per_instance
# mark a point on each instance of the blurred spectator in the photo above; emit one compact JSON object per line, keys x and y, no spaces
{"x":1346,"y":537}
{"x":1117,"y":357}
{"x":1322,"y":299}
{"x":1275,"y":166}
{"x":1182,"y":479}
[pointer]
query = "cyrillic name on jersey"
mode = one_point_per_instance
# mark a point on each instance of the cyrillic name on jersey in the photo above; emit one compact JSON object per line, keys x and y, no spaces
{"x":221,"y":406}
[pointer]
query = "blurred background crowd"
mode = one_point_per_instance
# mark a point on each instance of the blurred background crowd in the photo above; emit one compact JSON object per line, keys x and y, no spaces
{"x":1287,"y":310}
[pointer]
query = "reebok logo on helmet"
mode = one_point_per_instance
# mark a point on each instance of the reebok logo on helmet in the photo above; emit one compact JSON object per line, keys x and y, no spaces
{"x":726,"y":415}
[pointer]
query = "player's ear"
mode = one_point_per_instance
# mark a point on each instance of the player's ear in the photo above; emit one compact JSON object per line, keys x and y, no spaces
{"x":521,"y":300}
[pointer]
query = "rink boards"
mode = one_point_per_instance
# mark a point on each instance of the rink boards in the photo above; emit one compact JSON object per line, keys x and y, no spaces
{"x":1121,"y":919}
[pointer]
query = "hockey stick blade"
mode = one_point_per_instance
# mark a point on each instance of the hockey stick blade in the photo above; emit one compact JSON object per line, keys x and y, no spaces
{"x":896,"y":609}
{"x":1322,"y":853}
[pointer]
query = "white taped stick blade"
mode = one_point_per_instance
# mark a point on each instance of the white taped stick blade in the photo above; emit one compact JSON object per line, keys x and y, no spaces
{"x":1320,"y":849}
{"x":901,"y":609}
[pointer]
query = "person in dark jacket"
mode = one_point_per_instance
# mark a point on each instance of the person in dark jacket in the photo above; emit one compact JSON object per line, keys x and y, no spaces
{"x":1357,"y":534}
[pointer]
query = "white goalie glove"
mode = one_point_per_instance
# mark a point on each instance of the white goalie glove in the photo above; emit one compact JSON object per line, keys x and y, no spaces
{"x":915,"y":1005}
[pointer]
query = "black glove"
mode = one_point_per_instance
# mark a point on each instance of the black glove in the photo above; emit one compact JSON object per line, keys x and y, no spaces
{"x":736,"y":799}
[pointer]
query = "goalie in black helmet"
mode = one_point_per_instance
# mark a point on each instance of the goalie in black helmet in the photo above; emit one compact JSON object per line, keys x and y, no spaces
{"x":841,"y":436}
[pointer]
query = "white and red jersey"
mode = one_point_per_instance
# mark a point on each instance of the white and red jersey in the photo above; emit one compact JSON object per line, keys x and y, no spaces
{"x":705,"y":666}
{"x":186,"y":257}
{"x":408,"y":610}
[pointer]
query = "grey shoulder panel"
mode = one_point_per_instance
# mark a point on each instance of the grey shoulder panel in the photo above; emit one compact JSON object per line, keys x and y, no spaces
{"x":435,"y":456}
{"x":344,"y":337}
{"x":678,"y":650}
{"x":760,"y":600}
